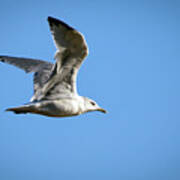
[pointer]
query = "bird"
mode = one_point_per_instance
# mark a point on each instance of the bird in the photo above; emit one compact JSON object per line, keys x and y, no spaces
{"x":55,"y":89}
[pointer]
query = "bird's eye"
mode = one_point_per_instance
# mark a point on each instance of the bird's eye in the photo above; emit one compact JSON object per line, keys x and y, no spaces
{"x":93,"y":103}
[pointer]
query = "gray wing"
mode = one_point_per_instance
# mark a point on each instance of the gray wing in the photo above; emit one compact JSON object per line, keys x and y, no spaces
{"x":28,"y":65}
{"x":71,"y":51}
{"x":42,"y":69}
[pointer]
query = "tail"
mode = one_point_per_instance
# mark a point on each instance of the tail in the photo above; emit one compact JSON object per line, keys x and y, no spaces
{"x":21,"y":109}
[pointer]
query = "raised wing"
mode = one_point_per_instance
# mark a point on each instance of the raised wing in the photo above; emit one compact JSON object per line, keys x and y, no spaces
{"x":42,"y":69}
{"x":71,"y":51}
{"x":68,"y":39}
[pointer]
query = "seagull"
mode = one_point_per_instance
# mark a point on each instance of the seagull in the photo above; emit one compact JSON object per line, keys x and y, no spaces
{"x":55,"y":91}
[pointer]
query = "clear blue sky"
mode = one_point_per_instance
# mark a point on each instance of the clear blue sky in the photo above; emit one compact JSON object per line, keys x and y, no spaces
{"x":133,"y":71}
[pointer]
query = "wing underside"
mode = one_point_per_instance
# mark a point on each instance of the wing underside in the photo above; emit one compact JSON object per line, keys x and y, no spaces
{"x":55,"y":81}
{"x":42,"y":69}
{"x":71,"y":51}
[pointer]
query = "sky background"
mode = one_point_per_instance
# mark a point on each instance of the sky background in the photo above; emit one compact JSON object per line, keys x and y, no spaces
{"x":132,"y":71}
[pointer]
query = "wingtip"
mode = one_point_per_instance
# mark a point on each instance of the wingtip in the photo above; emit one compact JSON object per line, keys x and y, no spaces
{"x":49,"y":18}
{"x":53,"y":21}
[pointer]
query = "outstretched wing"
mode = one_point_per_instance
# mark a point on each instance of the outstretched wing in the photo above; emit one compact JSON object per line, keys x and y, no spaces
{"x":28,"y":65}
{"x":42,"y":69}
{"x":71,"y":51}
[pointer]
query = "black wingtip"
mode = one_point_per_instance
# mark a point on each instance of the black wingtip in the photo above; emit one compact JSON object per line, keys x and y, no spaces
{"x":53,"y":21}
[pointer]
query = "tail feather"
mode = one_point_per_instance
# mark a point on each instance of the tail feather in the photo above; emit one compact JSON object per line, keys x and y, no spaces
{"x":18,"y":110}
{"x":21,"y":109}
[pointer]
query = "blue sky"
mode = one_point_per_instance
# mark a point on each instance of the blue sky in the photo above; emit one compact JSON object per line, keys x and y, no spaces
{"x":132,"y":71}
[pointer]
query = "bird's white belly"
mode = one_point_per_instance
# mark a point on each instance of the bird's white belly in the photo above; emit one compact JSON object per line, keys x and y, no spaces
{"x":58,"y":108}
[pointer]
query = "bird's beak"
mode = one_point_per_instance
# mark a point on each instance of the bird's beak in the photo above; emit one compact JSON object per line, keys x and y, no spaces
{"x":102,"y":110}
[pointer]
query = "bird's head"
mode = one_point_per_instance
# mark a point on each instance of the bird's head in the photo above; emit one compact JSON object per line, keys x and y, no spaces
{"x":91,"y":105}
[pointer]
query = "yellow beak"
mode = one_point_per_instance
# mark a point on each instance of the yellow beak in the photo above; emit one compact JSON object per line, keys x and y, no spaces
{"x":102,"y":110}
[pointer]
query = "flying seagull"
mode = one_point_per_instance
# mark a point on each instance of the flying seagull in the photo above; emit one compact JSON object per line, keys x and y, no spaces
{"x":55,"y":91}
